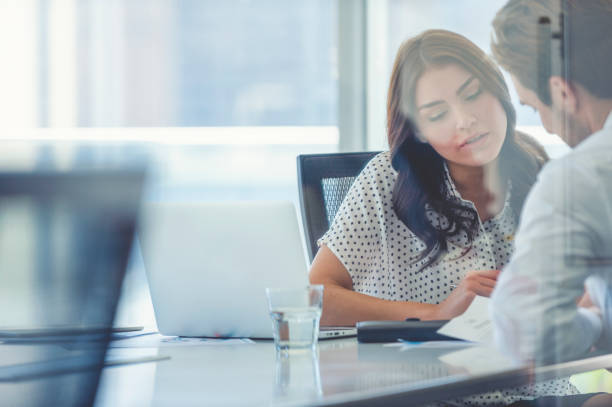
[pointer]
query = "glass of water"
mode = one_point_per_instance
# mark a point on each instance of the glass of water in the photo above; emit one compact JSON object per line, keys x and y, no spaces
{"x":295,"y":316}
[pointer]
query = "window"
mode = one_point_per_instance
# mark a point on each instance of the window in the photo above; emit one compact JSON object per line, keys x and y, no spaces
{"x":227,"y":92}
{"x":394,"y":21}
{"x":218,"y":96}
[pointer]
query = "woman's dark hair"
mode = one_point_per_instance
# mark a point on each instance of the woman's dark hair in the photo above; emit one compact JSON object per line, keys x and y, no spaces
{"x":421,"y":174}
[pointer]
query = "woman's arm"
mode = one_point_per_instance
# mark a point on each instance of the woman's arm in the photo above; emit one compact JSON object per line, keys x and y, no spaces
{"x":343,"y":306}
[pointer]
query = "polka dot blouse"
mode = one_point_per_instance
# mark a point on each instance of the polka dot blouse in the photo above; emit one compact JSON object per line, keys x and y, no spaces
{"x":381,"y":255}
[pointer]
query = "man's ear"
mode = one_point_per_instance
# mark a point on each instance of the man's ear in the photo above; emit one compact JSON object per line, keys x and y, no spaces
{"x":563,"y":94}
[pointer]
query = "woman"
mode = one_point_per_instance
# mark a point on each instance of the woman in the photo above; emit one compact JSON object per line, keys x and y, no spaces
{"x":428,"y":225}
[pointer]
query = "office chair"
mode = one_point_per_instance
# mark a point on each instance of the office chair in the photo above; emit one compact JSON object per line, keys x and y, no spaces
{"x":323,"y":182}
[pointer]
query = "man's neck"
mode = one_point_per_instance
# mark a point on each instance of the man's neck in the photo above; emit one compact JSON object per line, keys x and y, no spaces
{"x":595,"y":111}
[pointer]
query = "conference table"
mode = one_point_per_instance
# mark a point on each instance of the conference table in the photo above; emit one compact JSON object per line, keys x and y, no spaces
{"x":337,"y":372}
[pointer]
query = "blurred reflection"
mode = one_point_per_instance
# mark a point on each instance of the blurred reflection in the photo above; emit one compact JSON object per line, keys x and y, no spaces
{"x":297,"y":375}
{"x":553,"y":300}
{"x":64,"y":245}
{"x":350,"y":366}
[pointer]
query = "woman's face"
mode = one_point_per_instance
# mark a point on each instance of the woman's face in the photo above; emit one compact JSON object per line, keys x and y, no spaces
{"x":462,"y":121}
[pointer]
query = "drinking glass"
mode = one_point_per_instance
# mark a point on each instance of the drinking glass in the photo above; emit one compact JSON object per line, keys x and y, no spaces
{"x":295,"y":316}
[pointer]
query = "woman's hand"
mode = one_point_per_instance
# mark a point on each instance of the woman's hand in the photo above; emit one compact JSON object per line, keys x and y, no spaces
{"x":585,"y":302}
{"x":477,"y":282}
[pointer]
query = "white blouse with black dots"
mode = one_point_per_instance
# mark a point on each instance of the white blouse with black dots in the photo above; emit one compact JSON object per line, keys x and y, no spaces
{"x":381,"y":255}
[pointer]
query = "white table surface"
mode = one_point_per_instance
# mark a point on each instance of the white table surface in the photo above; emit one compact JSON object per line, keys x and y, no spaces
{"x":339,"y":371}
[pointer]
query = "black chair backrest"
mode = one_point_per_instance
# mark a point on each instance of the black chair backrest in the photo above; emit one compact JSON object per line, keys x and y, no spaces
{"x":323,"y":182}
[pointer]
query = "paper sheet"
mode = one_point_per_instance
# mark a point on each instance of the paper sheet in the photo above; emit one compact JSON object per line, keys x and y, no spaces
{"x":156,"y":340}
{"x":473,"y":325}
{"x":405,"y":345}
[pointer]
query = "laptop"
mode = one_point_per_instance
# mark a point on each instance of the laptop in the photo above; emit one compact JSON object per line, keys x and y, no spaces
{"x":208,"y":264}
{"x":65,"y":239}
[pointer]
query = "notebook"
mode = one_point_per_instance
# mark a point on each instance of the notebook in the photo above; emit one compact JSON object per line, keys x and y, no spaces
{"x":208,"y":264}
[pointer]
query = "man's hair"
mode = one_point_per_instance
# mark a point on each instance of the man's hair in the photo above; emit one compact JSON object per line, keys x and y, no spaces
{"x":588,"y":27}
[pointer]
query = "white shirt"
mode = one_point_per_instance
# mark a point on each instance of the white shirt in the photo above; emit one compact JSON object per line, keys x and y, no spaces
{"x":563,"y":241}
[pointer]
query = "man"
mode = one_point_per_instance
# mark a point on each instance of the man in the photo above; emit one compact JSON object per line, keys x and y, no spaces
{"x":564,"y":241}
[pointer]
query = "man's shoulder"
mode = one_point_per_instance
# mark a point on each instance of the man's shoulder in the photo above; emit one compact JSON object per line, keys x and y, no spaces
{"x":583,"y":176}
{"x":588,"y":161}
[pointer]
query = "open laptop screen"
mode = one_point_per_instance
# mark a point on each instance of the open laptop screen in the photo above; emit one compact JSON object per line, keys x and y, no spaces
{"x":65,"y":239}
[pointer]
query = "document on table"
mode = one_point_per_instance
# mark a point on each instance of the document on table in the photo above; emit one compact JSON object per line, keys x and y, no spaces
{"x":405,"y":345}
{"x":473,"y":325}
{"x":157,"y":340}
